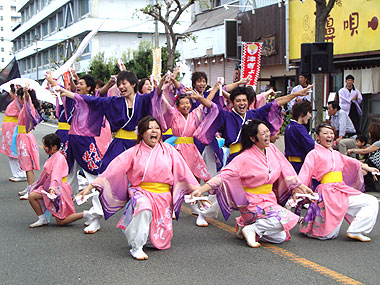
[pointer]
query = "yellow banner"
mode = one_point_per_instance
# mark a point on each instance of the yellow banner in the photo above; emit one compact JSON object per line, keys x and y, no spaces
{"x":156,"y":72}
{"x":352,"y":25}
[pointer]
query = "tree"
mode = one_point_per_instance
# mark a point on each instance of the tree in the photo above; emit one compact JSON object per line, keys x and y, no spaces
{"x":168,"y":12}
{"x":101,"y":68}
{"x":321,"y":14}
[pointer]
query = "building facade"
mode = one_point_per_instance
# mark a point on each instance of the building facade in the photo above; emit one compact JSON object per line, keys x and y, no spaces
{"x":9,"y":18}
{"x":51,"y":30}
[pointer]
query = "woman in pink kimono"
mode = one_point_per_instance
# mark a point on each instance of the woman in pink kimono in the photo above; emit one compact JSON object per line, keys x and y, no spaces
{"x":27,"y":148}
{"x":157,"y":177}
{"x":53,"y":181}
{"x":257,"y":182}
{"x":340,"y":192}
{"x":186,"y":125}
{"x":8,"y":127}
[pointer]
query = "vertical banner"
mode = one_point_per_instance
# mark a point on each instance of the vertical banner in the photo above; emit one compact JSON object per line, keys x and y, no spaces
{"x":156,"y":72}
{"x":250,"y":62}
{"x":66,"y":79}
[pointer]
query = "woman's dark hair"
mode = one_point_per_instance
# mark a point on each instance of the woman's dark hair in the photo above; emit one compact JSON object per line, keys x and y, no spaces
{"x":141,"y":84}
{"x":300,"y":109}
{"x":249,"y":129}
{"x":129,"y":76}
{"x":90,"y":82}
{"x":143,"y":126}
{"x":13,"y":89}
{"x":362,"y":138}
{"x":323,"y":125}
{"x":33,"y":97}
{"x":243,"y":90}
{"x":196,"y":76}
{"x":374,"y":132}
{"x":51,"y":140}
{"x":179,"y":97}
{"x":99,"y":82}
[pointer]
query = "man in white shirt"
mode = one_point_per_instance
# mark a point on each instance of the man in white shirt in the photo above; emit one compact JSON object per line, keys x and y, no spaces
{"x":344,"y":127}
{"x":303,"y":84}
{"x":349,"y":100}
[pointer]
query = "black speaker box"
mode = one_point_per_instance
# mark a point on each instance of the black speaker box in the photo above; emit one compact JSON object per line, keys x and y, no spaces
{"x":317,"y":58}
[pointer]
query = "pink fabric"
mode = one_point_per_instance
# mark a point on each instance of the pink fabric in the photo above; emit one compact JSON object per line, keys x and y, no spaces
{"x":105,"y":138}
{"x":162,"y":164}
{"x":260,"y":101}
{"x":27,"y":147}
{"x":194,"y":126}
{"x":331,"y":209}
{"x":7,"y":129}
{"x":54,"y":170}
{"x":252,"y":168}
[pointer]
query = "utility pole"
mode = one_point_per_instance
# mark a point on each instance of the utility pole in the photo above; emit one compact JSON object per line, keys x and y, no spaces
{"x":156,"y":35}
{"x":36,"y":38}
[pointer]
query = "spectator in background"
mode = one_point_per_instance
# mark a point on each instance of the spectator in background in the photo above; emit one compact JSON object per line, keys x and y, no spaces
{"x":342,"y":123}
{"x":303,"y":83}
{"x":349,"y":100}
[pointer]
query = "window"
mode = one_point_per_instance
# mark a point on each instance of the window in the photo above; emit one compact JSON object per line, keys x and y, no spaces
{"x":60,"y":20}
{"x":39,"y":59}
{"x":2,"y":49}
{"x":45,"y":57}
{"x":2,"y":39}
{"x":45,"y":30}
{"x":53,"y":24}
{"x":53,"y":54}
{"x":2,"y":59}
{"x":84,"y":7}
{"x":1,"y":18}
{"x":2,"y":29}
{"x":1,"y":7}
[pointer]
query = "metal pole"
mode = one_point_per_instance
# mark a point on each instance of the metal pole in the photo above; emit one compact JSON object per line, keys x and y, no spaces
{"x":313,"y":117}
{"x":156,"y":39}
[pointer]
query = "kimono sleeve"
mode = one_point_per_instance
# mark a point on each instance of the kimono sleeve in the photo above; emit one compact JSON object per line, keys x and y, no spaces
{"x":113,"y":183}
{"x":206,"y":129}
{"x":32,"y":118}
{"x":352,"y":173}
{"x":88,"y":115}
{"x":271,"y":114}
{"x":162,"y":110}
{"x":307,"y":171}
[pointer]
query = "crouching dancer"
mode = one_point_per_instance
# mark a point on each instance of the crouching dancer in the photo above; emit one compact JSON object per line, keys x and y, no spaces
{"x":341,"y":180}
{"x":256,"y":182}
{"x":53,"y":181}
{"x":152,"y":177}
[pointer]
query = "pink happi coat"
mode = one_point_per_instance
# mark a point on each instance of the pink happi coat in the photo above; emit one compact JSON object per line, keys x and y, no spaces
{"x":27,"y":147}
{"x":141,"y":163}
{"x":8,"y":129}
{"x":196,"y":125}
{"x":252,"y":168}
{"x":323,"y":217}
{"x":55,"y":169}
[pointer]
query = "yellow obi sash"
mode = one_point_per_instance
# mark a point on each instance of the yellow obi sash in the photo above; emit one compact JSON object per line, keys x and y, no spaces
{"x":169,"y":132}
{"x":155,"y":187}
{"x":263,"y":189}
{"x":64,"y":179}
{"x":332,"y":177}
{"x":127,"y":135}
{"x":63,"y":126}
{"x":294,"y":159}
{"x":182,"y":140}
{"x":21,"y":129}
{"x":236,"y":147}
{"x":9,"y":119}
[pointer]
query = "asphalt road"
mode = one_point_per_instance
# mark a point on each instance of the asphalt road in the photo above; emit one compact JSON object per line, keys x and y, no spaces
{"x":64,"y":255}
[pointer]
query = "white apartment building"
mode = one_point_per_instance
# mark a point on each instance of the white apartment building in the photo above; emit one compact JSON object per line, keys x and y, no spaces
{"x":9,"y":18}
{"x":51,"y":29}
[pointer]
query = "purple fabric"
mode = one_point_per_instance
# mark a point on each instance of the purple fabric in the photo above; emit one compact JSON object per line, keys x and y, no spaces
{"x":32,"y":118}
{"x":206,"y":131}
{"x":87,"y":121}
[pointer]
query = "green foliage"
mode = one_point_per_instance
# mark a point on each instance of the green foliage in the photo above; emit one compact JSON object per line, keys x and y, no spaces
{"x":100,"y":68}
{"x":139,"y":61}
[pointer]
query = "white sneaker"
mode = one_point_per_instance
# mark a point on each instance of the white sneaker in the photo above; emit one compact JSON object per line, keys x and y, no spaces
{"x":201,"y":221}
{"x":25,"y":196}
{"x":93,"y":227}
{"x":249,"y":234}
{"x":17,"y":179}
{"x":358,"y":236}
{"x":39,"y":223}
{"x":139,"y":254}
{"x":23,"y":192}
